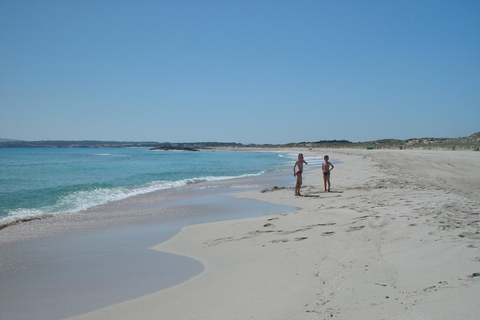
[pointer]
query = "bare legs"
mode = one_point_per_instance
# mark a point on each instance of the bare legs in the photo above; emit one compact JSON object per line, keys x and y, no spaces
{"x":298,"y":185}
{"x":326,"y":180}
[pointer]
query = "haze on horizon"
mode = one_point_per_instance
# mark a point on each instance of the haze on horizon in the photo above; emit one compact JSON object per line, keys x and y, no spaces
{"x":239,"y":71}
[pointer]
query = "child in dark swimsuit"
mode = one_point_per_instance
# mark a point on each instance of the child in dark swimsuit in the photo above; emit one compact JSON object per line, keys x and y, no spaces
{"x":326,"y":168}
{"x":298,"y":173}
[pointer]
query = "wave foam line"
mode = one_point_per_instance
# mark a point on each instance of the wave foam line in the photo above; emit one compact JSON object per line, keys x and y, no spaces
{"x":85,"y":199}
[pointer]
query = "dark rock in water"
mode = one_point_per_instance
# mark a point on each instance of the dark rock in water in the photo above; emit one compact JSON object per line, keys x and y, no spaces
{"x":164,"y":148}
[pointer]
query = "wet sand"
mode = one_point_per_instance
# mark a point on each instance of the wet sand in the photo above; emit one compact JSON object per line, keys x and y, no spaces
{"x":398,"y":238}
{"x":68,"y":265}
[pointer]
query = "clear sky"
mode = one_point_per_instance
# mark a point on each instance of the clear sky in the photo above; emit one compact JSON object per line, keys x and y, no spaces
{"x":247,"y":71}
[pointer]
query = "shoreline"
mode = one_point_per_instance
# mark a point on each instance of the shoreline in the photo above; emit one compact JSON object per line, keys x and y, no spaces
{"x":397,"y":238}
{"x":93,"y":199}
{"x":391,"y":242}
{"x":72,"y":264}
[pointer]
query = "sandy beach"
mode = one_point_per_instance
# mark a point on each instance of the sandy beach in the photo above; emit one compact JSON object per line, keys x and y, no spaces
{"x":397,"y":238}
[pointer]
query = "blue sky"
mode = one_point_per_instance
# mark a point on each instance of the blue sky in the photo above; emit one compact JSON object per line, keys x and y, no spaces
{"x":242,"y":71}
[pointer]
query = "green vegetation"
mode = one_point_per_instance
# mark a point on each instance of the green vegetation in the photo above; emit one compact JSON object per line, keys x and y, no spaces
{"x":465,"y":143}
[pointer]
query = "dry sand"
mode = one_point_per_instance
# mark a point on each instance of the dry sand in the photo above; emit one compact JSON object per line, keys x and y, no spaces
{"x":398,"y":238}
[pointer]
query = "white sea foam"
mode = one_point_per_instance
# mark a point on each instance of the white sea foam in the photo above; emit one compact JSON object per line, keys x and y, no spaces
{"x":311,"y":160}
{"x":84,"y":199}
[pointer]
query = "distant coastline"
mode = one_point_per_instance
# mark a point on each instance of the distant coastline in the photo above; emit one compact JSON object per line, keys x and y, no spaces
{"x":471,"y":142}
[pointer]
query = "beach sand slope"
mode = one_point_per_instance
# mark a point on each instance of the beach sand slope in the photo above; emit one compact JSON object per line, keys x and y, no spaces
{"x":398,"y":238}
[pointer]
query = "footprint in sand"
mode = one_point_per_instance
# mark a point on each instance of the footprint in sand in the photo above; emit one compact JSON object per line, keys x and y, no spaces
{"x":355,"y":228}
{"x":279,"y":240}
{"x":300,"y":238}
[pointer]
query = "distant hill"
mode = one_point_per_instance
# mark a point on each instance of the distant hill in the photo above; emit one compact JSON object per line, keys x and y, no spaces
{"x":470,"y":142}
{"x":8,"y":143}
{"x":4,"y":143}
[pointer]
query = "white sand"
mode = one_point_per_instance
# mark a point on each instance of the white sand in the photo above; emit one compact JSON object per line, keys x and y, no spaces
{"x":397,"y":239}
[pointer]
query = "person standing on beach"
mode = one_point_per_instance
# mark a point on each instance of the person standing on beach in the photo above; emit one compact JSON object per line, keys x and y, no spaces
{"x":298,"y":173}
{"x":326,"y":168}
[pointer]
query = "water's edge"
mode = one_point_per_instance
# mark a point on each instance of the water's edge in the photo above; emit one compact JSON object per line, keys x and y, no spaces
{"x":74,"y":272}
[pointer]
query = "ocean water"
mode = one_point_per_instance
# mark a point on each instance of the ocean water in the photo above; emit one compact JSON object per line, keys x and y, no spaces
{"x":35,"y":183}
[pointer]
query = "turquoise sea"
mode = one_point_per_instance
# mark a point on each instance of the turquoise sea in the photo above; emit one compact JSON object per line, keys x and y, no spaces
{"x":41,"y":182}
